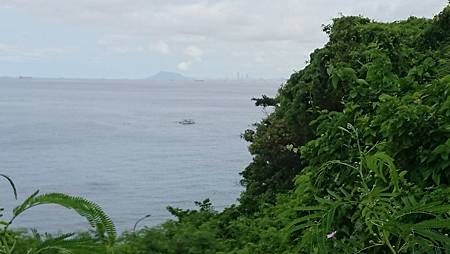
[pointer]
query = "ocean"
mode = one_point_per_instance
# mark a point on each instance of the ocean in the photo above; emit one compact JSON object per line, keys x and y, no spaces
{"x":120,"y":143}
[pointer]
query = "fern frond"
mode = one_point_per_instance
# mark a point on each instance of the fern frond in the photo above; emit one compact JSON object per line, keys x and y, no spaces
{"x":11,"y":183}
{"x":97,"y":218}
{"x":433,"y":223}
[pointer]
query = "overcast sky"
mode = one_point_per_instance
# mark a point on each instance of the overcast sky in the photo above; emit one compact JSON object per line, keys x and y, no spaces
{"x":205,"y":39}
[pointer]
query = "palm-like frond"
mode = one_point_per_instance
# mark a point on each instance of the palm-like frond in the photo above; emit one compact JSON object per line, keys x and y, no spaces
{"x":10,"y":181}
{"x":97,"y":218}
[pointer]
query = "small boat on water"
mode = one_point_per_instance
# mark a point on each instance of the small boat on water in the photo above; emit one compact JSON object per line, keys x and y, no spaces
{"x":186,"y":122}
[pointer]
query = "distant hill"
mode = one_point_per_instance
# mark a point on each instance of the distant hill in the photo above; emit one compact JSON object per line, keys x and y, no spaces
{"x":165,"y":75}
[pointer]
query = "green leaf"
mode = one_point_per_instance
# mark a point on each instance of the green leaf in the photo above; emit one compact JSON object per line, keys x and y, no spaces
{"x":11,"y":183}
{"x":96,"y":217}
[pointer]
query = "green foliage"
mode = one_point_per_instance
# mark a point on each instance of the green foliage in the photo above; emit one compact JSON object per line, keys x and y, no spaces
{"x":11,"y":183}
{"x":376,"y":211}
{"x":354,"y":157}
{"x":194,"y":231}
{"x":265,"y":101}
{"x":438,"y":34}
{"x":104,"y":227}
{"x":13,"y":242}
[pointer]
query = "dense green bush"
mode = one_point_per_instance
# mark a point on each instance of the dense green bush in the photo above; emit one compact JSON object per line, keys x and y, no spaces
{"x":354,"y":158}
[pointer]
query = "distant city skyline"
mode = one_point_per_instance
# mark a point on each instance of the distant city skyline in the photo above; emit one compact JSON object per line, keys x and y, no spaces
{"x":197,"y":38}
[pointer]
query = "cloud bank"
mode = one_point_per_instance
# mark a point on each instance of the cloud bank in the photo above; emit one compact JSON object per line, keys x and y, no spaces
{"x":263,"y":37}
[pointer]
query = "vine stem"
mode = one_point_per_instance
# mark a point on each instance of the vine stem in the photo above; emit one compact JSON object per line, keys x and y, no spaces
{"x":388,"y":243}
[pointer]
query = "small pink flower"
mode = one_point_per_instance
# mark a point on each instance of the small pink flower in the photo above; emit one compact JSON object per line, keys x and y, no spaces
{"x":331,"y":235}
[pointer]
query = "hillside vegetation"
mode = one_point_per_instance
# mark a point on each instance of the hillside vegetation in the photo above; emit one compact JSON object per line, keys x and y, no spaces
{"x":353,"y":159}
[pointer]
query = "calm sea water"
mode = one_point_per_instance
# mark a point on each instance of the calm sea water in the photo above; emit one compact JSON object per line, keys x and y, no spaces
{"x":119,"y":143}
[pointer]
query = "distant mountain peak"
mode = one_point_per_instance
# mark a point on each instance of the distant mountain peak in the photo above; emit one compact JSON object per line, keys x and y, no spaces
{"x":167,"y":75}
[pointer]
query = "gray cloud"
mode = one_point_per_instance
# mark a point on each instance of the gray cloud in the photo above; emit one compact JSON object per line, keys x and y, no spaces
{"x":250,"y":20}
{"x":19,"y":54}
{"x":265,"y":32}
